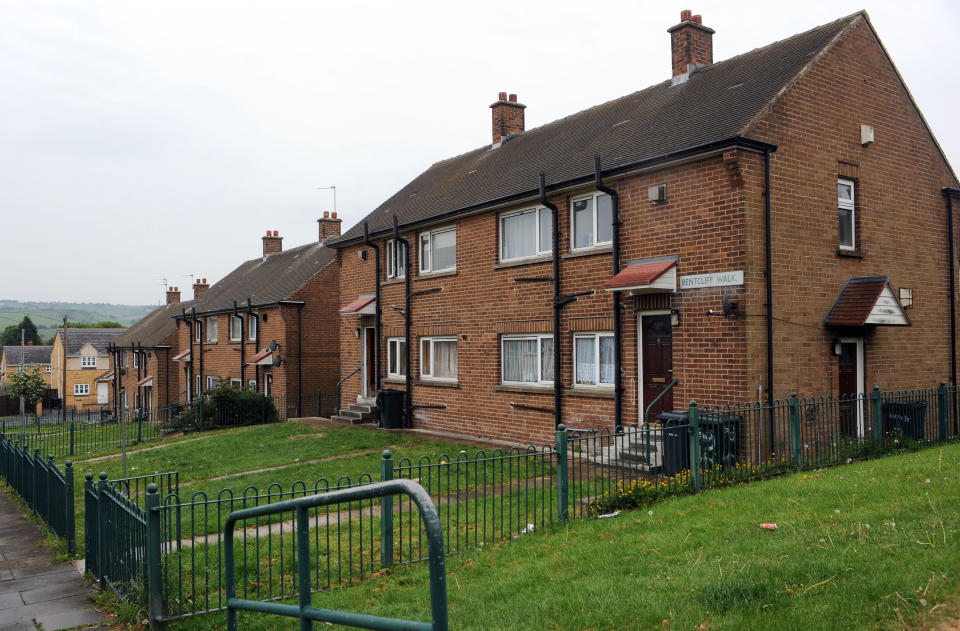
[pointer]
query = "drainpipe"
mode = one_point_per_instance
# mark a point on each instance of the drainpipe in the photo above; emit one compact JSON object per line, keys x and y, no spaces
{"x":617,"y":332}
{"x":769,"y":270}
{"x":166,"y":376}
{"x":243,"y":366}
{"x":256,"y":340}
{"x":379,"y":311}
{"x":199,"y":328}
{"x":300,"y":361}
{"x":949,"y":193}
{"x":557,"y":382}
{"x":407,"y":320}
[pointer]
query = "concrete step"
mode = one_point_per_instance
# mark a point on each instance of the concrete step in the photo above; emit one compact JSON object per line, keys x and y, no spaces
{"x":362,"y":408}
{"x":351,"y":420}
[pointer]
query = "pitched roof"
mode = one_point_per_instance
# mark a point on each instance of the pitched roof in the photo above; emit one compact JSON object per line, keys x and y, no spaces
{"x":639,"y":275}
{"x":98,"y":338}
{"x":153,"y":328}
{"x":266,"y":280}
{"x":31,"y":355}
{"x":866,"y":300}
{"x":717,"y":103}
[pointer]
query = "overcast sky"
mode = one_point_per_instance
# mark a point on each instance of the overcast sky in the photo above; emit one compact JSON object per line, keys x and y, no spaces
{"x":150,"y":140}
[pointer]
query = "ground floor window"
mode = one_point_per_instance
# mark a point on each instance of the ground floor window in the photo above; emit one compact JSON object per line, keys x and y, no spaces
{"x":593,"y":359}
{"x":236,"y":383}
{"x":438,"y":358}
{"x":396,"y":357}
{"x":527,"y":359}
{"x":212,"y":383}
{"x":81,"y":389}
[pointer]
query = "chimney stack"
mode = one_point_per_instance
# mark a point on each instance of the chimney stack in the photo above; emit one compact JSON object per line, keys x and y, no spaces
{"x":173,"y":295}
{"x":691,"y":43}
{"x":272,"y":243}
{"x":329,"y":225}
{"x":507,"y":117}
{"x":199,"y":287}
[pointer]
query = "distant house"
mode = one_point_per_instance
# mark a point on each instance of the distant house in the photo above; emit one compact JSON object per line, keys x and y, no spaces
{"x":17,"y":358}
{"x":79,"y":364}
{"x":270,"y":325}
{"x":148,"y":377}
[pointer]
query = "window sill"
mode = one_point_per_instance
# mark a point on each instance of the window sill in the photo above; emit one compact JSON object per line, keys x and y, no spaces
{"x":595,"y":393}
{"x":395,"y":380}
{"x":437,"y":384}
{"x":853,"y":254}
{"x":426,"y":275}
{"x":600,"y":249}
{"x":520,"y":262}
{"x":531,"y":389}
{"x":393,"y":281}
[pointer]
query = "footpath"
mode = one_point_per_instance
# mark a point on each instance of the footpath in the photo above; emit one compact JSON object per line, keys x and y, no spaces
{"x":36,"y":593}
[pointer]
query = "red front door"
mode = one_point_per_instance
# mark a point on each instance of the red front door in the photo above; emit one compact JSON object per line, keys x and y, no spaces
{"x":656,"y":340}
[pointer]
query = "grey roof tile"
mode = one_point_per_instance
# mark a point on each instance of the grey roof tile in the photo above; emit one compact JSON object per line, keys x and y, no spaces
{"x":99,"y":338}
{"x":31,"y":355}
{"x":154,"y":327}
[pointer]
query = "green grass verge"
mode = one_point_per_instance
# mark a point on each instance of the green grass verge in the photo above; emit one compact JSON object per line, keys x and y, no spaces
{"x":873,"y":545}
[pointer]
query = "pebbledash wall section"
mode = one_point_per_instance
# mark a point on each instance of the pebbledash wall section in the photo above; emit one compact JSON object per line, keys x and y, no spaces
{"x":713,"y":221}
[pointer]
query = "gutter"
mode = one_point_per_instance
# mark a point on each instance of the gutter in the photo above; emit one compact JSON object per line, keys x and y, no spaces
{"x":660,"y":161}
{"x":615,"y":303}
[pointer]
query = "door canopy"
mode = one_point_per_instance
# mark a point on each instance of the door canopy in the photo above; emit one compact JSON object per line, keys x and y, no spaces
{"x":649,"y":276}
{"x":867,"y":301}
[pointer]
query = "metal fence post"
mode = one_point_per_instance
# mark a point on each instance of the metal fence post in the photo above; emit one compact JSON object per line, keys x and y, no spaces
{"x":139,"y":425}
{"x":101,"y":522}
{"x":154,"y":591}
{"x":72,"y":430}
{"x":71,"y":521}
{"x":876,"y":420}
{"x":795,"y":427}
{"x":48,"y":474}
{"x":37,"y":463}
{"x":90,"y":525}
{"x":943,"y":409}
{"x":563,"y":470}
{"x":694,"y":446}
{"x":386,"y":512}
{"x":319,"y":401}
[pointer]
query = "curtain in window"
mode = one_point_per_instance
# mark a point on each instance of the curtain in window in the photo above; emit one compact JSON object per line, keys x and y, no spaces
{"x":444,"y":249}
{"x":520,"y":360}
{"x":546,"y":230}
{"x":518,"y":234}
{"x":583,"y":223}
{"x":604,"y":219}
{"x":425,"y":252}
{"x":546,"y":359}
{"x":586,"y":369}
{"x":445,"y":359}
{"x":606,"y":359}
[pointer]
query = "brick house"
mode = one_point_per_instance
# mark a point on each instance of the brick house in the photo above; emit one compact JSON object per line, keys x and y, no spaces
{"x":82,"y":366}
{"x":148,"y":377}
{"x":774,"y":222}
{"x":12,"y":358}
{"x":270,"y":324}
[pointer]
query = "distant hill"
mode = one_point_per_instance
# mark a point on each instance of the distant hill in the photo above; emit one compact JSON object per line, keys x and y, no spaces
{"x":47,"y":316}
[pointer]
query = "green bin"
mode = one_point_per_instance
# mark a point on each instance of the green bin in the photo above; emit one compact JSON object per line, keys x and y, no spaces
{"x":391,"y":409}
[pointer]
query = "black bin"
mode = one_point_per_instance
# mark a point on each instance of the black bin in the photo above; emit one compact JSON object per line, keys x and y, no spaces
{"x":906,"y":418}
{"x":719,"y":439}
{"x":676,"y":441}
{"x":391,"y":409}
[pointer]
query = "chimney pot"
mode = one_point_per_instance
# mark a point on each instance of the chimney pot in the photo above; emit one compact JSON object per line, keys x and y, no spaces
{"x":326,"y":214}
{"x":513,"y":98}
{"x":329,"y":225}
{"x":698,"y":19}
{"x":268,"y":233}
{"x":503,"y":96}
{"x":334,"y":215}
{"x":685,"y":15}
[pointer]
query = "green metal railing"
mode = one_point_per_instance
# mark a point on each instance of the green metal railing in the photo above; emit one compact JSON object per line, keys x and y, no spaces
{"x":46,"y":489}
{"x":306,"y":613}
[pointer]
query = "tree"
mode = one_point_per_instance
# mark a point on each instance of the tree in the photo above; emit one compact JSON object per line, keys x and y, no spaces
{"x":28,"y":384}
{"x":11,"y":334}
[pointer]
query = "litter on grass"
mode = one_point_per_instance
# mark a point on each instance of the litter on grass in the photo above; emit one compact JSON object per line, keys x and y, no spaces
{"x":767,"y":526}
{"x":608,"y":515}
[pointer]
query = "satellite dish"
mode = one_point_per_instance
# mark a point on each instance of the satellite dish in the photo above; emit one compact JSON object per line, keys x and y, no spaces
{"x":273,"y":345}
{"x":730,"y":306}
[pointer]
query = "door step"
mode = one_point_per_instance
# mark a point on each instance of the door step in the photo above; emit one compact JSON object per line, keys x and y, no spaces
{"x":356,"y":414}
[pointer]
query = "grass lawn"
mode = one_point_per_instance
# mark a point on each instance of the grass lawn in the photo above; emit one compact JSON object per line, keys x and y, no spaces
{"x":873,"y":545}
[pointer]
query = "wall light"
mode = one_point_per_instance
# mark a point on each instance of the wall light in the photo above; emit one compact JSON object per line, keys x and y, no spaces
{"x":357,"y":331}
{"x":674,"y":317}
{"x":837,"y":348}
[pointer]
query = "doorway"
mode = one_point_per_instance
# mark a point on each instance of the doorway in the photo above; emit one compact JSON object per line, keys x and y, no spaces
{"x":103,"y":393}
{"x":656,"y":362}
{"x":850,"y":387}
{"x":369,"y":362}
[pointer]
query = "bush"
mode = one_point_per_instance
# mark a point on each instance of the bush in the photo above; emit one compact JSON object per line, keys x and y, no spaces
{"x":222,"y":406}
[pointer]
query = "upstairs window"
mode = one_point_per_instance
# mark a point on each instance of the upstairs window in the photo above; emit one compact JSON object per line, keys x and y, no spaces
{"x":438,"y":358}
{"x":527,"y":359}
{"x":252,"y":327}
{"x":212,"y":329}
{"x":438,"y":250}
{"x":236,"y":328}
{"x":88,"y":362}
{"x":136,"y":359}
{"x":846,"y":206}
{"x":396,"y":259}
{"x":48,"y":368}
{"x":593,"y":359}
{"x":525,"y":234}
{"x":592,"y":220}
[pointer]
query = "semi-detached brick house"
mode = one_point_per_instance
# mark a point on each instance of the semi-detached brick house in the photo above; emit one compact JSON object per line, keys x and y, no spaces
{"x":783,"y":226}
{"x":148,"y":377}
{"x":270,"y":325}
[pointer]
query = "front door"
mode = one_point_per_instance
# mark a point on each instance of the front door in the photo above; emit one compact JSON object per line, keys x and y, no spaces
{"x":103,"y":393}
{"x":369,"y":362}
{"x":656,"y":352}
{"x":851,"y":387}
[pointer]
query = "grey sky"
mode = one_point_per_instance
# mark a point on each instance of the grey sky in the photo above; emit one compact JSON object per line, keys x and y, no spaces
{"x":147,"y":140}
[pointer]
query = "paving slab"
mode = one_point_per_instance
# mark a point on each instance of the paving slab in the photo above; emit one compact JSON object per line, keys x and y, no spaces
{"x":35,"y":592}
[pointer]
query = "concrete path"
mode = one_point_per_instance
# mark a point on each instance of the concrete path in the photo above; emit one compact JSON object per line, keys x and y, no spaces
{"x":34,"y":592}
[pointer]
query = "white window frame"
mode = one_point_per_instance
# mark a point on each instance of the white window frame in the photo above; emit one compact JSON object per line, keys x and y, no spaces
{"x":85,"y":361}
{"x":595,"y":335}
{"x":252,"y":384}
{"x":536,"y":210}
{"x":851,"y":205}
{"x":426,"y":349}
{"x":47,"y":368}
{"x":236,"y":383}
{"x":136,"y":359}
{"x":212,"y":382}
{"x":252,"y":326}
{"x":426,"y":262}
{"x":395,"y":259}
{"x":539,"y":338}
{"x":236,"y":320}
{"x":199,"y":386}
{"x":197,"y":326}
{"x":211,"y":330}
{"x":81,"y":389}
{"x":394,"y":354}
{"x":595,"y":196}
